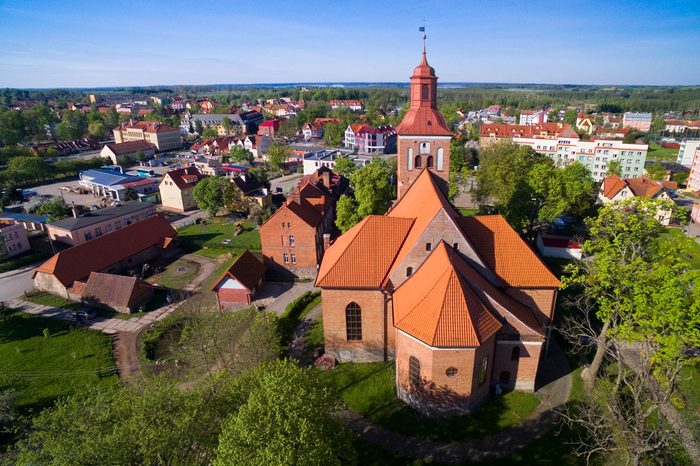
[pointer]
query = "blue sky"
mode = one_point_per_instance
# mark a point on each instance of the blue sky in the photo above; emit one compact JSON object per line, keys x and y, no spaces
{"x":75,"y":43}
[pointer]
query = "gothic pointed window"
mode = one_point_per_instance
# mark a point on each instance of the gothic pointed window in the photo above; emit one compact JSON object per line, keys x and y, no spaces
{"x":429,"y":162}
{"x":410,"y":158}
{"x":440,"y":158}
{"x":417,"y":164}
{"x":424,"y":92}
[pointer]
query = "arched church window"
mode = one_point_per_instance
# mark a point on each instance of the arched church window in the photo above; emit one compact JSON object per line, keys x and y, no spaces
{"x":425,"y":148}
{"x":353,"y":322}
{"x":409,"y":271}
{"x":414,"y":372}
{"x":424,"y":92}
{"x":418,"y":162}
{"x":483,"y":370}
{"x":440,"y":158}
{"x":410,"y":158}
{"x":429,"y":162}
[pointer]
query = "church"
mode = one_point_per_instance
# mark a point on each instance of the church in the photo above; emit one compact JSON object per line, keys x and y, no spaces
{"x":462,"y":304}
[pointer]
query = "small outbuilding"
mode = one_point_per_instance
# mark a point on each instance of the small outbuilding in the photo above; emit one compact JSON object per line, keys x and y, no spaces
{"x":239,"y":283}
{"x":116,"y":292}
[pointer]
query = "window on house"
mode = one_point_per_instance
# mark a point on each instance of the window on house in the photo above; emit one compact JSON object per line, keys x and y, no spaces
{"x":285,"y":256}
{"x":353,"y":322}
{"x":98,"y":232}
{"x":88,"y":236}
{"x":515,"y":354}
{"x":118,"y":224}
{"x":414,"y":372}
{"x":417,"y":163}
{"x":428,"y":246}
{"x":289,"y":225}
{"x":409,"y":271}
{"x":429,"y":162}
{"x":283,"y":224}
{"x":455,"y":246}
{"x":451,"y":371}
{"x":424,"y":92}
{"x":483,"y":370}
{"x":294,"y":258}
{"x":108,"y":228}
{"x":291,"y":240}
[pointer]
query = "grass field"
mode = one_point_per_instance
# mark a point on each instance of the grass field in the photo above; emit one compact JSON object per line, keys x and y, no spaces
{"x":661,"y":154}
{"x":47,"y":299}
{"x":369,"y":390}
{"x":43,"y":368}
{"x":207,"y":239}
{"x":675,"y":235}
{"x":176,"y":275}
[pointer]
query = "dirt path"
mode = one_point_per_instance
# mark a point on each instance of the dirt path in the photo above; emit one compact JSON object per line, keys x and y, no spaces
{"x":297,"y":345}
{"x":206,"y":268}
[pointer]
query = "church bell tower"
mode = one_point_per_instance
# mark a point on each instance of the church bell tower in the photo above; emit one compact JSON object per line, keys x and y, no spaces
{"x":423,"y":136}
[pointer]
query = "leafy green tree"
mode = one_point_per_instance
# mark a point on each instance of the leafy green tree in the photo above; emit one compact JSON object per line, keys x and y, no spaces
{"x":288,"y":128}
{"x":209,"y":133}
{"x":657,"y":125}
{"x":277,"y":154}
{"x":344,"y":166}
{"x":333,"y":133}
{"x":656,"y":171}
{"x":39,"y":119}
{"x":570,"y":116}
{"x":528,"y":190}
{"x":217,"y":193}
{"x":346,"y":213}
{"x":55,"y":209}
{"x":614,"y":168}
{"x":226,"y":124}
{"x":98,"y":129}
{"x":287,"y":420}
{"x":12,"y":127}
{"x":621,"y":255}
{"x":680,"y":177}
{"x":73,"y":125}
{"x":240,"y":154}
{"x":27,"y":169}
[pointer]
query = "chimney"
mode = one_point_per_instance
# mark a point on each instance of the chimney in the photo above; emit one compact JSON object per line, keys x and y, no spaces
{"x":326,"y":241}
{"x":74,"y":210}
{"x":326,"y":176}
{"x":131,"y":122}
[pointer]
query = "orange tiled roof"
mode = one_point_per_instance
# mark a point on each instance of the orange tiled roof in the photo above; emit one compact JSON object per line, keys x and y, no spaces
{"x":362,"y":256}
{"x":506,"y":254}
{"x":642,"y":187}
{"x":437,"y":306}
{"x":423,"y":121}
{"x":98,"y":254}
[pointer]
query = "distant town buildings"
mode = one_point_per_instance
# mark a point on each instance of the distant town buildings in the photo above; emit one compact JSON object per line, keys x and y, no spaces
{"x":562,"y":144}
{"x":614,"y":189}
{"x":639,"y":121}
{"x":115,"y":185}
{"x":163,"y":137}
{"x":532,"y":117}
{"x":694,"y":176}
{"x":352,"y":105}
{"x":125,"y":152}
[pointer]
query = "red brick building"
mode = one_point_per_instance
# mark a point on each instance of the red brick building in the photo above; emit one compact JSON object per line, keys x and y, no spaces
{"x":292,"y":238}
{"x":461,"y":303}
{"x":240,"y":282}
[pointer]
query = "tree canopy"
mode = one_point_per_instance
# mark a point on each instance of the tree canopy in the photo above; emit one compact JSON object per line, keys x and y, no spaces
{"x":287,"y":419}
{"x":240,"y":154}
{"x":277,"y":154}
{"x":217,"y":193}
{"x":372,"y":190}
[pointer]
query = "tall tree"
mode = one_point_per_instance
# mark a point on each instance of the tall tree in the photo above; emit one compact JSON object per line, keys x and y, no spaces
{"x":226,"y":124}
{"x":344,"y":166}
{"x":614,"y":168}
{"x":12,"y":127}
{"x":240,"y":154}
{"x":278,"y":154}
{"x":286,"y":420}
{"x":216,"y":194}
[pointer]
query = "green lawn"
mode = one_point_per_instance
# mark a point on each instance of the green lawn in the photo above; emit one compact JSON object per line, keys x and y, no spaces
{"x":294,"y":313}
{"x":176,"y":275}
{"x":467,"y":212}
{"x":47,"y":299}
{"x":206,"y":239}
{"x":661,"y":154}
{"x":689,"y":386}
{"x":28,"y":258}
{"x":675,"y":235}
{"x":42,"y":368}
{"x":369,"y":390}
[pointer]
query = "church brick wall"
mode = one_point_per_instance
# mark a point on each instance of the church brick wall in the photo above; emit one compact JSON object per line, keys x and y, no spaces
{"x":405,"y":176}
{"x":374,"y":330}
{"x":523,"y":371}
{"x":541,"y":301}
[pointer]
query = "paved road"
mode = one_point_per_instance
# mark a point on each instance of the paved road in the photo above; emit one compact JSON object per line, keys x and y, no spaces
{"x":287,"y":183}
{"x":15,"y":282}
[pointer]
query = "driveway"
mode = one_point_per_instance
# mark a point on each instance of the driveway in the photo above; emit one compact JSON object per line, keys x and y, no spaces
{"x":275,"y":296}
{"x":16,"y":282}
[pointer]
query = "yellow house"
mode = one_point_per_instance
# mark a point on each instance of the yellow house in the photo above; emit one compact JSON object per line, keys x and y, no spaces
{"x":177,"y":187}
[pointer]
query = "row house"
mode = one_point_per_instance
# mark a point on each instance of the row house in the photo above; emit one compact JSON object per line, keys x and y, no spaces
{"x":352,"y":105}
{"x":641,"y":121}
{"x":614,"y":189}
{"x":176,"y":189}
{"x":163,"y":137}
{"x":294,"y":238}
